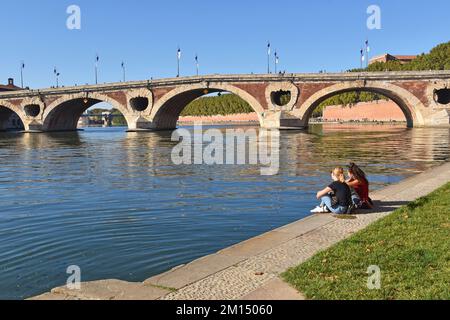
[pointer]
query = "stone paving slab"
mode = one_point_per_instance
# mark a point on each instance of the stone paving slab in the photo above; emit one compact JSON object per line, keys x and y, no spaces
{"x":257,"y":244}
{"x":106,"y":290}
{"x":228,"y":284}
{"x":251,"y":269}
{"x":196,"y":270}
{"x":51,"y":297}
{"x":308,"y":224}
{"x":275,"y":289}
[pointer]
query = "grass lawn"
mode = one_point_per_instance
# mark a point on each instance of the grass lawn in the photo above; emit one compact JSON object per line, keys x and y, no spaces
{"x":411,"y":247}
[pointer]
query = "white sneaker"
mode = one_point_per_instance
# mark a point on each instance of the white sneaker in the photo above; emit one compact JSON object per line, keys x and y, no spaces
{"x":319,"y":210}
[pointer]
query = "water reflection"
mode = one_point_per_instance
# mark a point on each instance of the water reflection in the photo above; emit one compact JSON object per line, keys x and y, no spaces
{"x":114,"y":204}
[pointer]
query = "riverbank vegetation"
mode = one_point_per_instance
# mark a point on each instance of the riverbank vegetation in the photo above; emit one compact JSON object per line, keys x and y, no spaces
{"x":224,"y":104}
{"x":410,"y":247}
{"x":437,"y":59}
{"x":117,"y":120}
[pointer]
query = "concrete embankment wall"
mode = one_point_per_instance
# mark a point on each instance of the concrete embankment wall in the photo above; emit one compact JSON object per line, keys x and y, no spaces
{"x":365,"y":111}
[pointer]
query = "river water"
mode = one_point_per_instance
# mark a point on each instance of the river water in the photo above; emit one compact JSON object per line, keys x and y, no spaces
{"x":114,"y":204}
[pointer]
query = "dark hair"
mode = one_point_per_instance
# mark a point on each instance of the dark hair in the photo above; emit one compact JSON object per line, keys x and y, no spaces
{"x":357,"y":172}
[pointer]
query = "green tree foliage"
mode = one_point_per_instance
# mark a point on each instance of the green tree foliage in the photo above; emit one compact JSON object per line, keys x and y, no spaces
{"x":118,"y":119}
{"x":97,"y":111}
{"x":223,"y":105}
{"x":437,"y":59}
{"x":285,"y":99}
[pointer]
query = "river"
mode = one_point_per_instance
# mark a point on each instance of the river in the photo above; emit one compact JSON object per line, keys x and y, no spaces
{"x":114,"y":204}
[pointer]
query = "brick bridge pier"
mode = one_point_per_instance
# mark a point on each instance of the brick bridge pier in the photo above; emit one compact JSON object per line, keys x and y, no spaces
{"x":423,"y":97}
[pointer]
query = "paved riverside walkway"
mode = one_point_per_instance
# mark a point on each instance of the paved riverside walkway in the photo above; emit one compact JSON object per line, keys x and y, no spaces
{"x":250,"y":270}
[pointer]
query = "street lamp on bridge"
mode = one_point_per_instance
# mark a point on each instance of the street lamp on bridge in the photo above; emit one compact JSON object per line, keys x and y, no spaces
{"x":178,"y":61}
{"x":96,"y":68}
{"x":123,"y":70}
{"x":196,"y":63}
{"x":22,"y":66}
{"x":268,"y":57}
{"x":277,"y":60}
{"x":56,"y":73}
{"x":367,"y":52}
{"x":361,"y":59}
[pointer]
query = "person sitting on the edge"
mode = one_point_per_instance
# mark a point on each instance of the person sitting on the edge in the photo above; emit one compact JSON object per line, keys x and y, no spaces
{"x":339,"y":190}
{"x":359,"y":182}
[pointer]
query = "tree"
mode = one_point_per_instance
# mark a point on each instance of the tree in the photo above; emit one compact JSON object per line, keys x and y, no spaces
{"x":437,"y":59}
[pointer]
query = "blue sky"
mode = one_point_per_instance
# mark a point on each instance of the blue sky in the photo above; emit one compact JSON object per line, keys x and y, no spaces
{"x":229,"y":36}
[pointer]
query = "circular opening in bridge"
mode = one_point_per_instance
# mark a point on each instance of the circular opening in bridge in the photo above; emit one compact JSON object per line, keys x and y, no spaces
{"x":32,"y":110}
{"x":442,"y":96}
{"x":139,"y":103}
{"x":281,"y":98}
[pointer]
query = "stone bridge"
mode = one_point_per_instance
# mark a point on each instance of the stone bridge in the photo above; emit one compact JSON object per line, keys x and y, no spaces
{"x":423,"y":96}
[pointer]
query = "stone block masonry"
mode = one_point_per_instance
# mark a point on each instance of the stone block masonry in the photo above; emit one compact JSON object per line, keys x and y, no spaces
{"x":365,"y":111}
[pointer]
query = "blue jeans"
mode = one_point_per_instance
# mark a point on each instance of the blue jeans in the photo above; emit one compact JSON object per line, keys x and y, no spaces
{"x":337,"y":209}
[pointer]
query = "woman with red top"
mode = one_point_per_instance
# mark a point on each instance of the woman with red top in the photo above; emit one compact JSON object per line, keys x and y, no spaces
{"x":358,"y":181}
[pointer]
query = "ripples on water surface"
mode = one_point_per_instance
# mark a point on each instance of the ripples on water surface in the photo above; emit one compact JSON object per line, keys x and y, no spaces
{"x":114,"y":204}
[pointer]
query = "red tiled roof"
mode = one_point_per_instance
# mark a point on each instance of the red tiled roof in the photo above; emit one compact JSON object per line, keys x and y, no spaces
{"x":405,"y":57}
{"x":388,"y":56}
{"x":9,"y":87}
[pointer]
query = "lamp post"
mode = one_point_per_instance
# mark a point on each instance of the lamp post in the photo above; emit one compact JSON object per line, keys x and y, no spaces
{"x":196,"y":63}
{"x":367,"y":53}
{"x":57,"y":76}
{"x":178,"y":61}
{"x":123,"y":71}
{"x":276,"y":61}
{"x":361,"y":58}
{"x":96,"y":68}
{"x":22,"y":66}
{"x":268,"y":57}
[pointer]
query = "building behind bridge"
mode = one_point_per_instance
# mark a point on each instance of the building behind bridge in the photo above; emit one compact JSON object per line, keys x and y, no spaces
{"x":14,"y":122}
{"x":9,"y":87}
{"x":403,"y":59}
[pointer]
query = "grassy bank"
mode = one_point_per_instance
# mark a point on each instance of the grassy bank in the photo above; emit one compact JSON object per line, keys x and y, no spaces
{"x":411,"y":246}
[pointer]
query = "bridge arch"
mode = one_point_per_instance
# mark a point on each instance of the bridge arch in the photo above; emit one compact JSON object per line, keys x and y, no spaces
{"x":63,"y":114}
{"x":410,"y":105}
{"x":168,"y":108}
{"x":7,"y":109}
